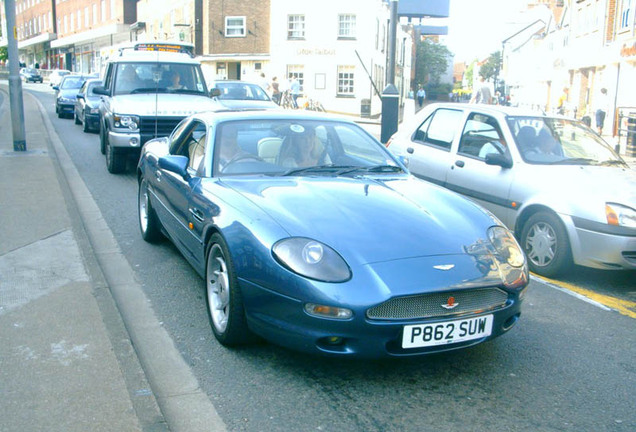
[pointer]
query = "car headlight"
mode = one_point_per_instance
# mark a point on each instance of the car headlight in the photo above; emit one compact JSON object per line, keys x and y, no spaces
{"x":65,"y":100}
{"x":311,"y":259}
{"x":126,"y":121}
{"x":94,"y":111}
{"x":506,"y":246}
{"x":620,"y":215}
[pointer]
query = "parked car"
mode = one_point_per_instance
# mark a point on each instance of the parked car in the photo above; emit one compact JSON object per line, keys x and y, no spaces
{"x":235,"y":94}
{"x":86,"y":110}
{"x":566,"y":194}
{"x":31,"y":75}
{"x":56,"y":76}
{"x":310,"y":234}
{"x":66,"y":94}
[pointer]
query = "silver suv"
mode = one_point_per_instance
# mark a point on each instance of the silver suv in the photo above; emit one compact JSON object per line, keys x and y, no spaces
{"x":148,"y":89}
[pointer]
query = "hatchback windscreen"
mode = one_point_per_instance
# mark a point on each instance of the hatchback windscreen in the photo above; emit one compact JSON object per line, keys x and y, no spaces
{"x":72,"y":83}
{"x":560,"y":141}
{"x":241,"y":91}
{"x":132,"y":78}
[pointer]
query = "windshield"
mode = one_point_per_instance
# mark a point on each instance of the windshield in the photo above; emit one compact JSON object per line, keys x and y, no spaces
{"x":72,"y":82}
{"x":31,"y":71}
{"x":560,"y":141}
{"x":134,"y":78}
{"x":280,"y":147}
{"x":241,"y":91}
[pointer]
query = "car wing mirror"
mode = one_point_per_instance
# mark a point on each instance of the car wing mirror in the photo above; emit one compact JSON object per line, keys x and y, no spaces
{"x":80,"y":96}
{"x":176,"y":164}
{"x":215,"y":92}
{"x":56,"y":87}
{"x":498,"y":159}
{"x":101,"y":90}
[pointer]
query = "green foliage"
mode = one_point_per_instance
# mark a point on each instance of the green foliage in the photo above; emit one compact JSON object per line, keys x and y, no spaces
{"x":431,"y":61}
{"x":468,"y":75}
{"x":4,"y":53}
{"x":491,"y":68}
{"x":436,"y":91}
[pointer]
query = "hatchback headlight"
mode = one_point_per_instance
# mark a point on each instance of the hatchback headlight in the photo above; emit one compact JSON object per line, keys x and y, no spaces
{"x":65,"y":100}
{"x":126,"y":121}
{"x":506,"y":246}
{"x":620,"y":215}
{"x":311,"y":259}
{"x":94,"y":110}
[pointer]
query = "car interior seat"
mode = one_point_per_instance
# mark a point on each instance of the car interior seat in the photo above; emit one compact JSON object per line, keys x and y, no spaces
{"x":526,"y":139}
{"x":196,"y":151}
{"x":268,"y":148}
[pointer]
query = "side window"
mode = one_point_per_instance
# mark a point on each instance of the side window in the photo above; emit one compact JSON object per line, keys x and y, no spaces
{"x":440,"y":128}
{"x":481,"y":136}
{"x":176,"y":141}
{"x":196,"y":145}
{"x":109,"y":76}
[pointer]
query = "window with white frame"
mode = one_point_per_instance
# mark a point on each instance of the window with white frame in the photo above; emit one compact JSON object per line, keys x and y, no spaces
{"x":86,"y":17}
{"x":346,"y":80}
{"x":295,"y":26}
{"x":94,"y":13}
{"x":298,"y":72}
{"x":346,"y":26}
{"x":103,"y":10}
{"x":235,"y":26}
{"x":626,"y":15}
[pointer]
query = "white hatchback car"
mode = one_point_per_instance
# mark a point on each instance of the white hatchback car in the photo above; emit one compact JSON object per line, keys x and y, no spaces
{"x":565,"y":193}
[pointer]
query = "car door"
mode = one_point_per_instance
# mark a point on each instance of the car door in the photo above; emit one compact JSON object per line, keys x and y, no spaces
{"x":176,"y":191}
{"x":429,"y":151}
{"x":470,"y":175}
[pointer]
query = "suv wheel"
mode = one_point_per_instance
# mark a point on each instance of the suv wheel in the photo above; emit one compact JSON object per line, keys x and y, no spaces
{"x":102,"y":139}
{"x":115,"y":159}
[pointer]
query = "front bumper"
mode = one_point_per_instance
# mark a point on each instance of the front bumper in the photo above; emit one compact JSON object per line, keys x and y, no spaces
{"x":66,"y":107}
{"x":130,"y":140}
{"x":92,"y":121}
{"x":603,"y":250}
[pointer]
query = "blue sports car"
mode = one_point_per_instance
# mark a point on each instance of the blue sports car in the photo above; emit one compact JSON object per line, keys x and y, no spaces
{"x":310,"y":234}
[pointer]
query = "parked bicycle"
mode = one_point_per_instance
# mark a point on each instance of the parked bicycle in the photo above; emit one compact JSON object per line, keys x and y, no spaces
{"x":313,"y":105}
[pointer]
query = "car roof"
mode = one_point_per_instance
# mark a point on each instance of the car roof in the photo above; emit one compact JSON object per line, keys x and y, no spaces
{"x":492,"y":109}
{"x":131,"y":56}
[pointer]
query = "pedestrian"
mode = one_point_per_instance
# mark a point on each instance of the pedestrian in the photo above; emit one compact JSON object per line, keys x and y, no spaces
{"x":275,"y":86}
{"x":482,"y":95}
{"x":563,"y":100}
{"x":294,"y":88}
{"x":421,"y":95}
{"x":602,"y":108}
{"x":263,"y":82}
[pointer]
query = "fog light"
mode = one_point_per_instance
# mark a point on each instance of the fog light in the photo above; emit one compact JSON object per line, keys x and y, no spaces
{"x":134,"y":142}
{"x":334,"y":340}
{"x":328,"y":311}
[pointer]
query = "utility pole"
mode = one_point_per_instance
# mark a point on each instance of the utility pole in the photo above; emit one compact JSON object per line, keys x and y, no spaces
{"x":390,"y":95}
{"x":15,"y":83}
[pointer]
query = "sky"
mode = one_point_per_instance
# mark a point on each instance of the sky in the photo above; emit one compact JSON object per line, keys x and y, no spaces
{"x":477,"y":27}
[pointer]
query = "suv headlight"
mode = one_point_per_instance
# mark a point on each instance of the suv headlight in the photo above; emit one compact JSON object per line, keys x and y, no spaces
{"x":620,"y":215}
{"x":311,"y":259}
{"x":126,"y":121}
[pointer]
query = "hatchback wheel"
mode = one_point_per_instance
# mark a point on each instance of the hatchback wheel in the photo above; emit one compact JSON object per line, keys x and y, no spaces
{"x":546,"y":244}
{"x":77,"y":120}
{"x":85,"y":127}
{"x":224,"y":301}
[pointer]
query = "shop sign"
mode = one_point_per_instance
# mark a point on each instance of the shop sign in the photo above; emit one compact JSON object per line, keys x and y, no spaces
{"x":628,"y":51}
{"x":316,"y":51}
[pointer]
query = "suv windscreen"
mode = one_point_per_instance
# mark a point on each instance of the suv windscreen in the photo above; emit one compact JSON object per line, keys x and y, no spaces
{"x":157,"y":77}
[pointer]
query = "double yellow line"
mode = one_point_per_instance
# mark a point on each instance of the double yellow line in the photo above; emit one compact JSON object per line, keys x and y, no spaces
{"x":624,"y":307}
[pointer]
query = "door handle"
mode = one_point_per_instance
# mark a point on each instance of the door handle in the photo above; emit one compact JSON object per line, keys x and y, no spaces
{"x":410,"y":150}
{"x":460,"y":163}
{"x":196,"y":214}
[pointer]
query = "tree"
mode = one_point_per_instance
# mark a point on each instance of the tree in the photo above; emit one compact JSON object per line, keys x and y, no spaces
{"x":4,"y":53}
{"x":491,"y":68}
{"x":431,"y":61}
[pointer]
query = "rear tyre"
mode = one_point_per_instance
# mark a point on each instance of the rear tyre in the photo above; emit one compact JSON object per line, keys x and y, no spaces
{"x":102,"y":139}
{"x":85,"y":127}
{"x":224,"y":301}
{"x":77,"y":121}
{"x":545,"y":242}
{"x":149,"y":224}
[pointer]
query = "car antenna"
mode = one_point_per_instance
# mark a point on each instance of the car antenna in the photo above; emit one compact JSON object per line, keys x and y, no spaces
{"x":156,"y":79}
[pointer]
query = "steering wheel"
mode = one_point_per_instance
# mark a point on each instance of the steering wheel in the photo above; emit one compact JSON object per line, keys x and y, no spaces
{"x":243,"y":156}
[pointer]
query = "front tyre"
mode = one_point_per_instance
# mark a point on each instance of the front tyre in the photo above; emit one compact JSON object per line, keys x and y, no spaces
{"x":545,"y":242}
{"x":102,"y":139}
{"x":149,"y":224}
{"x":115,"y":159}
{"x":224,"y":301}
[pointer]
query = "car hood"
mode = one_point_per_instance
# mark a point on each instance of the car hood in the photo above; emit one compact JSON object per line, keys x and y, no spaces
{"x":161,"y":104}
{"x":370,"y":220}
{"x":246,"y":104}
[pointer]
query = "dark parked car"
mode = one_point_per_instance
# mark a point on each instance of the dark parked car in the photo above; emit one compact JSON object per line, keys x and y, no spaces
{"x":31,"y":75}
{"x":86,"y":110}
{"x":235,"y":94}
{"x":66,"y":94}
{"x":312,"y":235}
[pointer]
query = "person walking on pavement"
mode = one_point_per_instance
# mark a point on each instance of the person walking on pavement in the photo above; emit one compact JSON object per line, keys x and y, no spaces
{"x":563,"y":100}
{"x":421,"y":95}
{"x":275,"y":86}
{"x":294,"y":88}
{"x":483,"y":94}
{"x":601,"y":110}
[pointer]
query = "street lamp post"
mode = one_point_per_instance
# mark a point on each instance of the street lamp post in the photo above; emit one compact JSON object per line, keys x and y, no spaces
{"x":390,"y":95}
{"x":15,"y":83}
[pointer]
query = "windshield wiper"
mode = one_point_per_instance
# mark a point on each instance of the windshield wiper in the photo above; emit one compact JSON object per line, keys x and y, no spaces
{"x":187,"y":91}
{"x":575,"y":161}
{"x":373,"y":169}
{"x":148,"y":90}
{"x":611,"y":162}
{"x":318,"y":169}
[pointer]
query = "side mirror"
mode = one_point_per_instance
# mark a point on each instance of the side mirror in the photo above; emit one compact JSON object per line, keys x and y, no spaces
{"x":101,"y":90}
{"x":498,"y":159}
{"x":55,"y":87}
{"x":215,"y":92}
{"x":175,"y":164}
{"x":80,"y":96}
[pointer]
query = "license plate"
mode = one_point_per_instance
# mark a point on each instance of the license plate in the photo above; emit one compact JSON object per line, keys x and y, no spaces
{"x":447,"y":332}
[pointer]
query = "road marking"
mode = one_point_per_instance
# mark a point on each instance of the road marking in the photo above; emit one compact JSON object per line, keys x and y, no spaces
{"x":624,"y":307}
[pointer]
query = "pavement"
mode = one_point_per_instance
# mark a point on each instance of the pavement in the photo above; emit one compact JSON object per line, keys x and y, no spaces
{"x":80,"y":346}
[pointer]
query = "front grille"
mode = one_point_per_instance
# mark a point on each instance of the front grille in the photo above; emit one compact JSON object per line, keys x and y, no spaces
{"x":430,"y":305}
{"x":165,"y":125}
